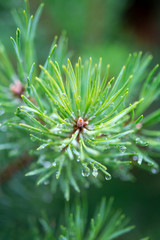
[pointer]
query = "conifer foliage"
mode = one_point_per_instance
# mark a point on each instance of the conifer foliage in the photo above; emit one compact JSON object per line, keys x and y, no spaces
{"x":88,"y":124}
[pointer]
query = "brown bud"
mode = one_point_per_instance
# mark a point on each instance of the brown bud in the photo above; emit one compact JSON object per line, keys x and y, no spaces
{"x":81,"y":123}
{"x":17,"y":88}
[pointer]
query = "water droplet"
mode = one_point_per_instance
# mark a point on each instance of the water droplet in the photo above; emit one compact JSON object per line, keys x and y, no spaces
{"x":54,"y":116}
{"x":55,"y":130}
{"x":75,"y":143}
{"x":41,"y":147}
{"x":108,"y":177}
{"x":76,"y":152}
{"x":137,"y":140}
{"x":66,"y":120}
{"x":46,"y":182}
{"x":135,"y":158}
{"x":140,"y":158}
{"x":141,"y":142}
{"x":78,"y":159}
{"x":122,"y":149}
{"x":85,"y":173}
{"x":154,"y":170}
{"x":54,"y":164}
{"x":95,"y":172}
{"x":47,"y":164}
{"x":63,"y":145}
{"x":73,"y":115}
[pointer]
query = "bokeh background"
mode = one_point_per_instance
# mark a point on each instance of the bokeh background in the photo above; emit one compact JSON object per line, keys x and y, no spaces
{"x":110,"y":29}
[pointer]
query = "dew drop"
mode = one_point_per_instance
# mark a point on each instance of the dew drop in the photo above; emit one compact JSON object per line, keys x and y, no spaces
{"x":41,"y":147}
{"x":54,"y":164}
{"x":73,"y":115}
{"x":122,"y":149}
{"x":66,"y":120}
{"x":135,"y":158}
{"x":154,"y":170}
{"x":85,"y":173}
{"x":139,"y":162}
{"x":140,"y":159}
{"x":141,"y":142}
{"x":55,"y":130}
{"x":46,"y":182}
{"x":95,"y":172}
{"x":74,"y":143}
{"x":54,"y":116}
{"x":47,"y":164}
{"x":108,"y":177}
{"x":137,"y":140}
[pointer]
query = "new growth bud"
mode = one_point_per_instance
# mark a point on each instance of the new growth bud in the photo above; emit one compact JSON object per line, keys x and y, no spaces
{"x":81,"y":123}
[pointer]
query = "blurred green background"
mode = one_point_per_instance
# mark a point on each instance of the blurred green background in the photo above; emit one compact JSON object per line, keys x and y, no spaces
{"x":99,"y":28}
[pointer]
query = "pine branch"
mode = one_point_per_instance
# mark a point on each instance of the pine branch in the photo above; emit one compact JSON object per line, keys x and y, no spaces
{"x":87,"y":118}
{"x":84,"y":123}
{"x":106,"y":224}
